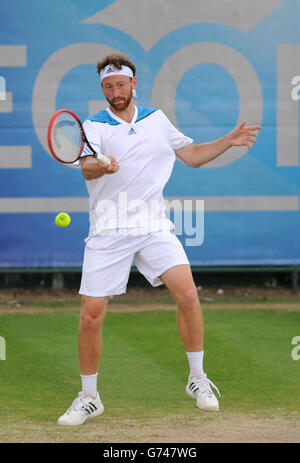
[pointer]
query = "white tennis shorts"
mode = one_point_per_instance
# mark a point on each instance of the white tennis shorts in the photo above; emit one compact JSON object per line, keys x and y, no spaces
{"x":108,"y":259}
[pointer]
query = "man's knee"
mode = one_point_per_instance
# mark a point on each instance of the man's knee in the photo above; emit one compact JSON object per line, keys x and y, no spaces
{"x":92,"y":314}
{"x":89,"y":323}
{"x":188,"y":297}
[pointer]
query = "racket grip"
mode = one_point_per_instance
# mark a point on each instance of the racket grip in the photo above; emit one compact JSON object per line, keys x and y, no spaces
{"x":103,"y":159}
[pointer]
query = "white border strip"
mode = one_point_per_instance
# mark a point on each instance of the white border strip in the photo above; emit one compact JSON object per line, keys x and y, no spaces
{"x":211,"y":204}
{"x":32,"y":205}
{"x":243,"y":203}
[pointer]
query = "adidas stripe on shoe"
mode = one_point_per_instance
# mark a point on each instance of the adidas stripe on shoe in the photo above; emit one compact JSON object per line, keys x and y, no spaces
{"x":81,"y":409}
{"x":198,"y":387}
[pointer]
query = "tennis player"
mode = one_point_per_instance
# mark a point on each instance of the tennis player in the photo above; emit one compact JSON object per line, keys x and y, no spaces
{"x":128,"y":225}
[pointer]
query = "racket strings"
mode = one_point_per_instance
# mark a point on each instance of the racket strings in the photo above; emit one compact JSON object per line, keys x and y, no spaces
{"x":66,"y":137}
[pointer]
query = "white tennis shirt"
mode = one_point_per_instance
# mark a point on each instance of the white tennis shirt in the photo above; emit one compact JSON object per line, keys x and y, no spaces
{"x":132,"y":198}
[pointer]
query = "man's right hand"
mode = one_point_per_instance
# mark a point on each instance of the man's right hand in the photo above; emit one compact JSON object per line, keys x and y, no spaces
{"x":92,"y":169}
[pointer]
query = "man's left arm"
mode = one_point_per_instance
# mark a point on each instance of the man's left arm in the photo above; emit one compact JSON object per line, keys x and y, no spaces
{"x":197,"y":155}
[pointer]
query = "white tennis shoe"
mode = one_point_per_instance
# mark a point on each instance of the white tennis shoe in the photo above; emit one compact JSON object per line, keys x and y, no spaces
{"x":198,"y":387}
{"x":81,"y":409}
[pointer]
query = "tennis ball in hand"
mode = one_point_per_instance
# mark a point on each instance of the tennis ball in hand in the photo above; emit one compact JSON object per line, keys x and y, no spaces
{"x":62,"y":219}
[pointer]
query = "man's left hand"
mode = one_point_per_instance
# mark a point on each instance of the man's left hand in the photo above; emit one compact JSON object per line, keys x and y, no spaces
{"x":244,"y":136}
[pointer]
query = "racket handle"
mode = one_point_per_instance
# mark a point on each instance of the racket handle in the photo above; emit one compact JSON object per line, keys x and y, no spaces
{"x":103,"y":159}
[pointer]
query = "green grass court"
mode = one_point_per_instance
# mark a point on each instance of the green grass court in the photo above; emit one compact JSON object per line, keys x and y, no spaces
{"x":144,"y":370}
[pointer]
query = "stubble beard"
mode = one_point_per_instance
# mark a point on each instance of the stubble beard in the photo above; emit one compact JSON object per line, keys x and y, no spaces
{"x":120,"y":103}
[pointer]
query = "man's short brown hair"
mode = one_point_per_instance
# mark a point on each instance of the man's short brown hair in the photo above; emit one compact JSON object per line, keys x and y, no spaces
{"x":117,"y":60}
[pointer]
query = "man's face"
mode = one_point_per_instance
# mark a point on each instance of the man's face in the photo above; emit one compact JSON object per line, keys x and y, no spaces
{"x":118,"y":91}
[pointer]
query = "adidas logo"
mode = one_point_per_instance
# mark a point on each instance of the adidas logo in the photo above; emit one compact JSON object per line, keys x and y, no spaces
{"x":110,"y":69}
{"x":131,"y":131}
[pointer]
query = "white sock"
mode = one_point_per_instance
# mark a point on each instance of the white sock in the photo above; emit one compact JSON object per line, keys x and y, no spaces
{"x":89,"y":385}
{"x":196,"y":363}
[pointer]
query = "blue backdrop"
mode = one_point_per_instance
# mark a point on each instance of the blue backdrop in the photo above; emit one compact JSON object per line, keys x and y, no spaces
{"x":207,"y":68}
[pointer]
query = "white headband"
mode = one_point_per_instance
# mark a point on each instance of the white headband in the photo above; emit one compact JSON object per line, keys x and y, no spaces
{"x":110,"y":70}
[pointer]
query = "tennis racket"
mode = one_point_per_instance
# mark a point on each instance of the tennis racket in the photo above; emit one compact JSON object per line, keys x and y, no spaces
{"x":66,"y":138}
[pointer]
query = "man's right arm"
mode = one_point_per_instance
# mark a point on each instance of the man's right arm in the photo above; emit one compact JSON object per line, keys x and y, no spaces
{"x":92,"y":169}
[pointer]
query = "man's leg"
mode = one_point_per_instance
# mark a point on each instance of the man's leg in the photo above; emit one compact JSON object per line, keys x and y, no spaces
{"x":89,"y":334}
{"x":179,"y":281}
{"x":88,"y":404}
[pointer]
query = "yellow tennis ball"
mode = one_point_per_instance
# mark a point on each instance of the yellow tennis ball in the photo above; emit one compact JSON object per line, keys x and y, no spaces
{"x":62,"y":219}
